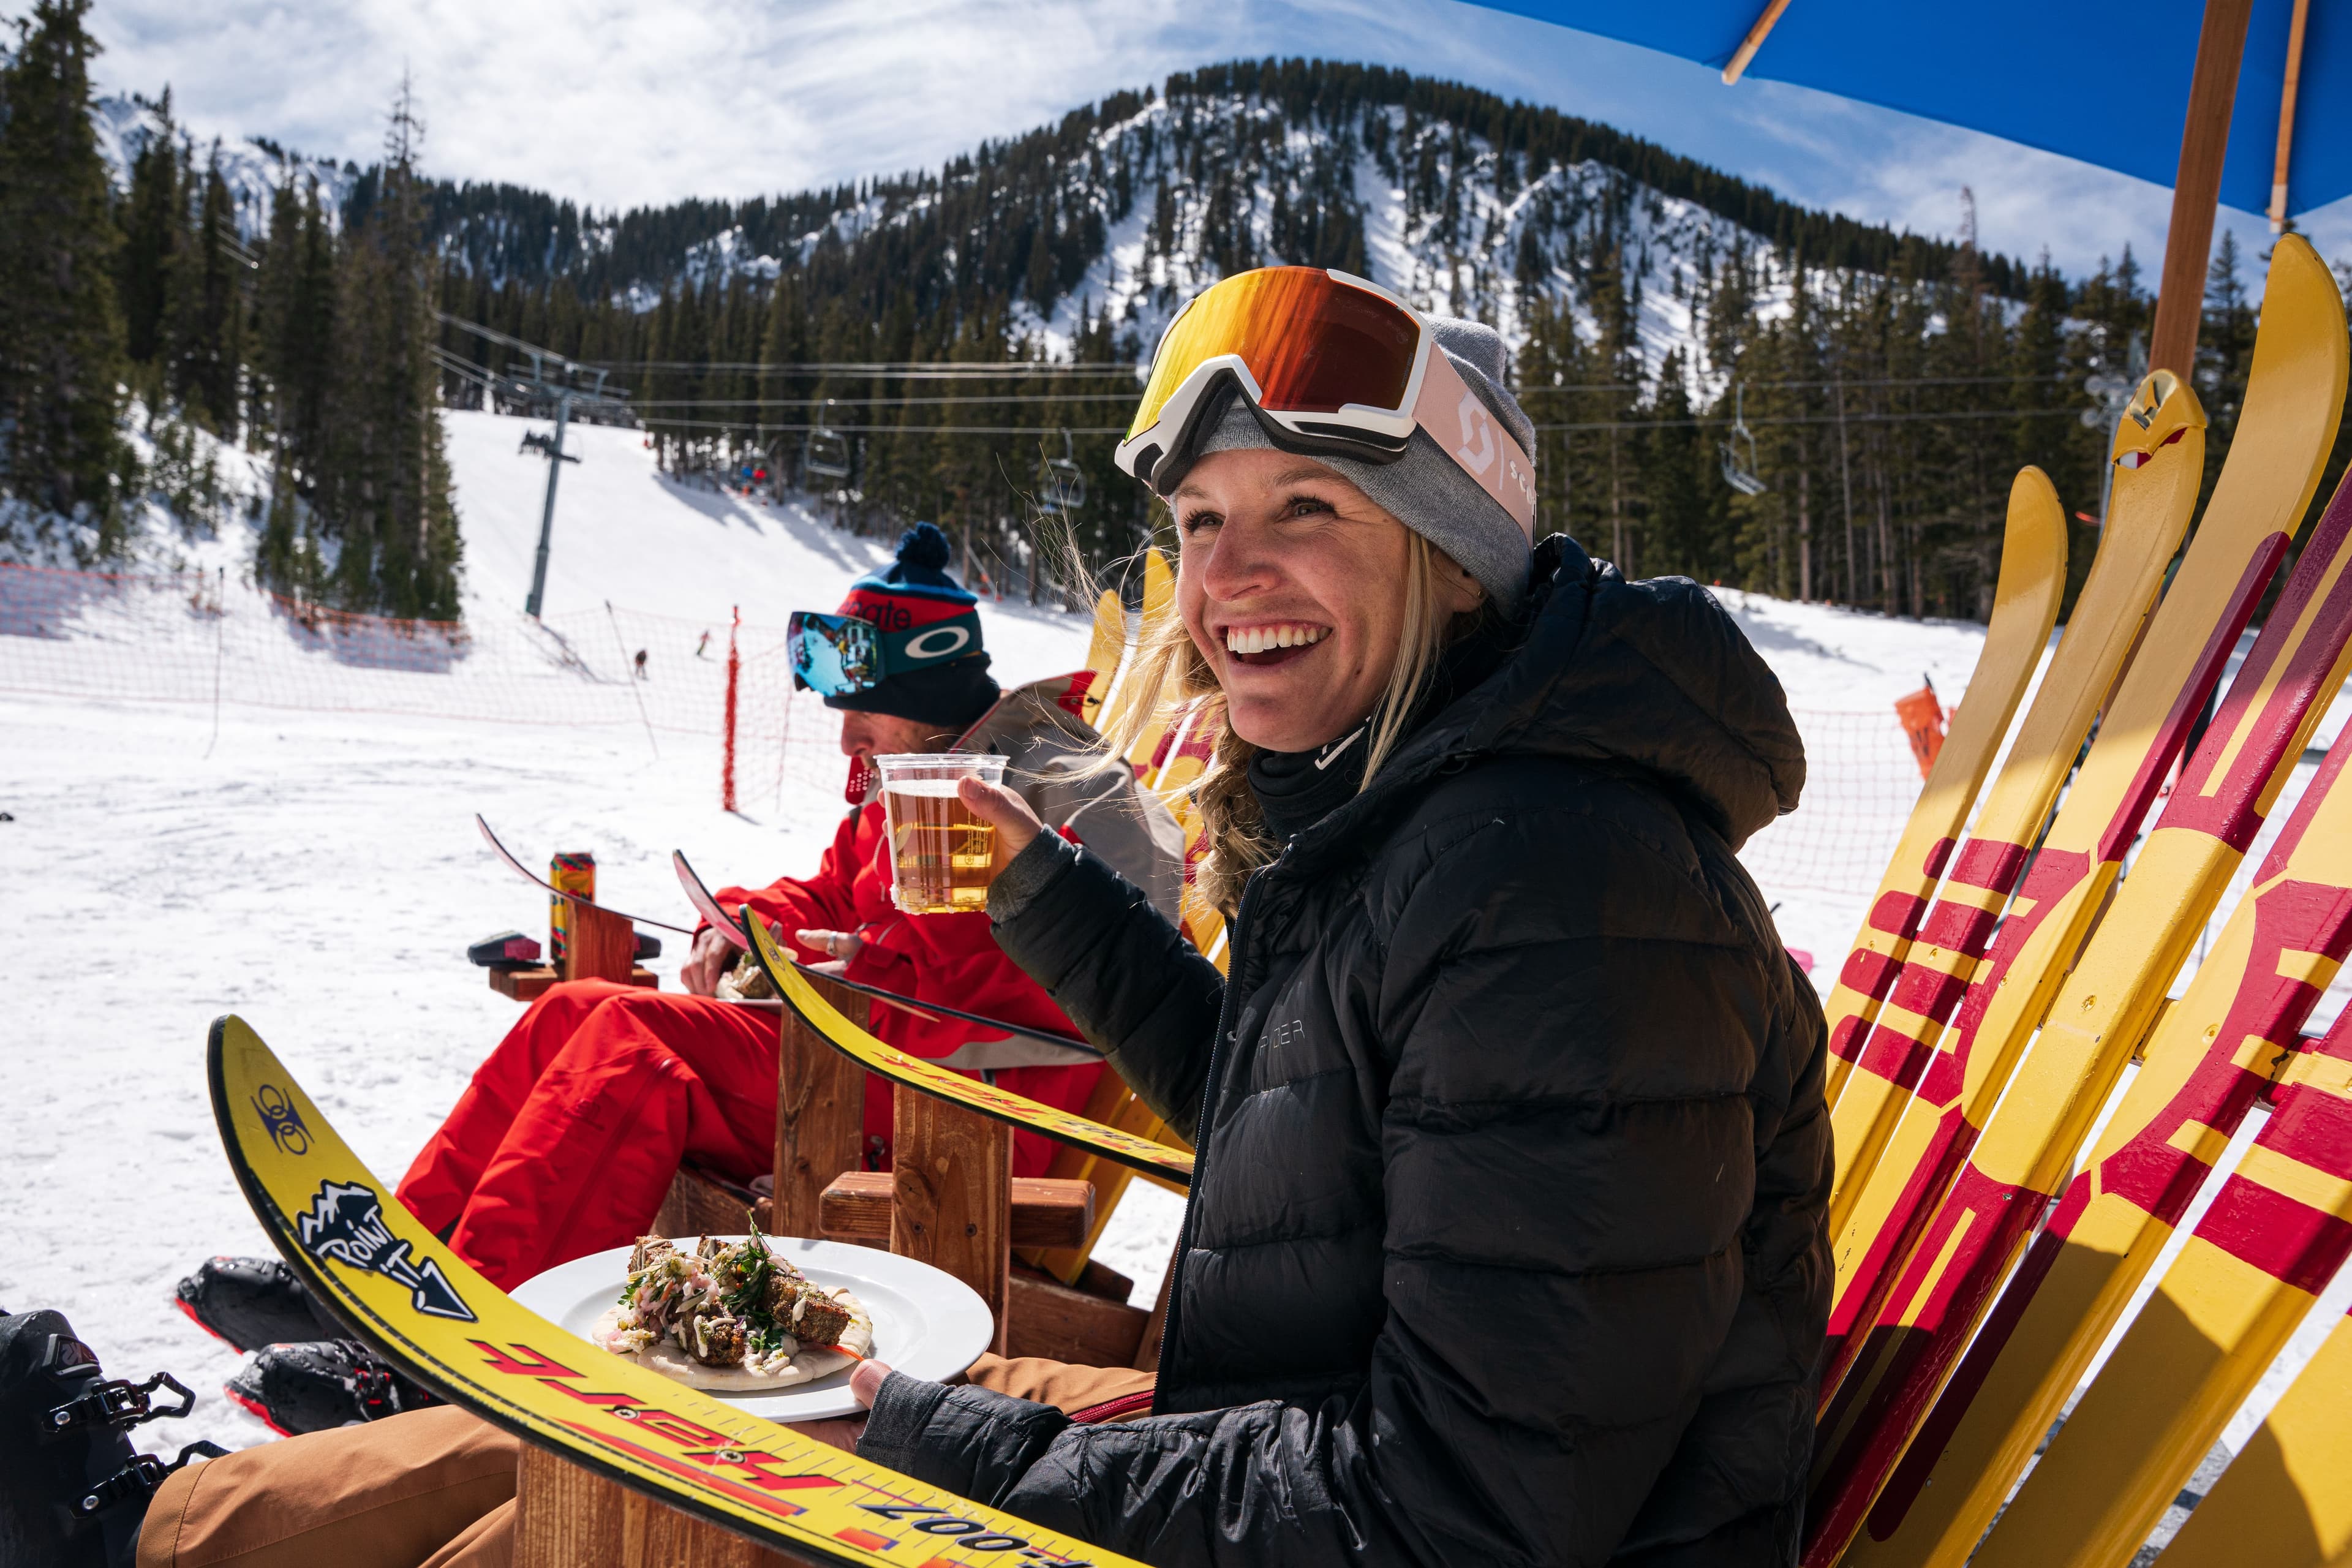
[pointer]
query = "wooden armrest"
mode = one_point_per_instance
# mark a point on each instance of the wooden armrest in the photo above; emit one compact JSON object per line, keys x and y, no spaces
{"x":1046,"y":1212}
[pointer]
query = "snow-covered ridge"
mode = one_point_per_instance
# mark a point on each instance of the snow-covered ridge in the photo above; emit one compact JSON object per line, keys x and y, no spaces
{"x":1445,"y":219}
{"x":1421,"y":205}
{"x":252,"y":170}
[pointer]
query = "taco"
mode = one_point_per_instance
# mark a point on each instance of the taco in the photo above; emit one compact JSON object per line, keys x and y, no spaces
{"x":732,"y":1317}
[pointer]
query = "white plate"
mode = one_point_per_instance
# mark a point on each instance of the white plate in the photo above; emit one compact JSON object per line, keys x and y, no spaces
{"x":926,"y":1323}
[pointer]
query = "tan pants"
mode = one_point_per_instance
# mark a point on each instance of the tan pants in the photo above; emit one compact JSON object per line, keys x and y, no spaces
{"x":434,"y":1489}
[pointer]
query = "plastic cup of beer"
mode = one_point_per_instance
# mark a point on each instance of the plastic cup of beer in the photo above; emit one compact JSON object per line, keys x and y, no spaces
{"x":942,"y":858}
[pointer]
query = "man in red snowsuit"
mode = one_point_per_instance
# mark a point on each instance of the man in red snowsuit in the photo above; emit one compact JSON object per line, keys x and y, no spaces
{"x":566,"y":1139}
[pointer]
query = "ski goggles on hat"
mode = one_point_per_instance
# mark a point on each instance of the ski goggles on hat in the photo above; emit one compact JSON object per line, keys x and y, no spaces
{"x":834,"y":654}
{"x":1332,"y":365}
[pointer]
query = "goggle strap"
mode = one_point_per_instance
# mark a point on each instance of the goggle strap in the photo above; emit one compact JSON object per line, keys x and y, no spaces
{"x":1458,"y":420}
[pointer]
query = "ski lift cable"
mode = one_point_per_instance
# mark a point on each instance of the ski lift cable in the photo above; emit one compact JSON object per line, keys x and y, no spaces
{"x":982,"y":369}
{"x":1693,"y":423}
{"x":1119,"y":397}
{"x":1891,"y":381}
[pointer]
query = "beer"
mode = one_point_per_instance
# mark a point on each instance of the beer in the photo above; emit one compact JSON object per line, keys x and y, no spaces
{"x":573,"y":872}
{"x":942,"y":858}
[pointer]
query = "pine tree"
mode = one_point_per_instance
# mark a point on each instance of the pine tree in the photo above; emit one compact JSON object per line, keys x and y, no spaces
{"x":150,"y":229}
{"x":60,"y":333}
{"x":203,"y":304}
{"x":380,"y":489}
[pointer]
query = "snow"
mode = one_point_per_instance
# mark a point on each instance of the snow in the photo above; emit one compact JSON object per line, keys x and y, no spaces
{"x":312,"y":866}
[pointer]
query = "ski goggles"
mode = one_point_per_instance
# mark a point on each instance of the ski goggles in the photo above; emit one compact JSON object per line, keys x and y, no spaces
{"x":834,"y":654}
{"x":1332,"y":365}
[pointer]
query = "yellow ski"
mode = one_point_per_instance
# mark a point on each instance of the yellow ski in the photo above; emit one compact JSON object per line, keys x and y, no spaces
{"x":2164,"y":434}
{"x":424,"y":1310}
{"x":2024,"y":608}
{"x":2283,"y":1501}
{"x":1127,"y":1148}
{"x":2276,"y":1234}
{"x":2213,"y":1051}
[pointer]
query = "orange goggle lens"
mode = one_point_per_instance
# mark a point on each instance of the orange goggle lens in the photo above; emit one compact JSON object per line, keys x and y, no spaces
{"x":1313,"y":343}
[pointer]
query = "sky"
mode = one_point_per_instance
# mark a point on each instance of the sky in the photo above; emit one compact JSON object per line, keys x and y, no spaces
{"x":618,"y":104}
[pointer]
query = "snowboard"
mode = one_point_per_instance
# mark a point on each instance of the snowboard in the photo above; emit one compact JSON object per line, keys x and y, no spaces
{"x":2103,"y":1009}
{"x":944,"y":1083}
{"x":699,"y":896}
{"x":2288,"y":421}
{"x":424,"y":1310}
{"x":2024,"y":607}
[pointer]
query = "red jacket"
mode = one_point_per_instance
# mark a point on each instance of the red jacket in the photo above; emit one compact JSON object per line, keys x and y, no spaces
{"x":951,"y":959}
{"x":955,"y":959}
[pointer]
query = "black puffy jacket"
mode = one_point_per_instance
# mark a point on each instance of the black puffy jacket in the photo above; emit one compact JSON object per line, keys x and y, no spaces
{"x":1505,"y":1245}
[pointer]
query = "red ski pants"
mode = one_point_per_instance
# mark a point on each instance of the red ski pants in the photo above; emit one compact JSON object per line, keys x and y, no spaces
{"x":566,"y":1141}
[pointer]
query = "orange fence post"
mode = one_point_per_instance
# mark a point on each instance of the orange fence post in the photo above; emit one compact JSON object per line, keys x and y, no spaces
{"x":734,"y":680}
{"x":1923,"y":725}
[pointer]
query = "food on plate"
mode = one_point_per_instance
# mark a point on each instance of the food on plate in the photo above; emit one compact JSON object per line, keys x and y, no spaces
{"x":731,"y":1316}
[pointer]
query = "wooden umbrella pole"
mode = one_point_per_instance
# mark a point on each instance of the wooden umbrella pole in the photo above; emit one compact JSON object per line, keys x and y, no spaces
{"x":2286,"y":115}
{"x":1753,"y":41}
{"x":2196,"y":190}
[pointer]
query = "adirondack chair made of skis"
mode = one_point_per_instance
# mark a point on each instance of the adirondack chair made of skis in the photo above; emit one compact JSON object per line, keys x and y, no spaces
{"x":2028,"y":1129}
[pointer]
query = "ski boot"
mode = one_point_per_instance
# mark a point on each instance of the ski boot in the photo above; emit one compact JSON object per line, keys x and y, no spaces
{"x":72,"y":1490}
{"x":250,"y":1302}
{"x":315,"y":1385}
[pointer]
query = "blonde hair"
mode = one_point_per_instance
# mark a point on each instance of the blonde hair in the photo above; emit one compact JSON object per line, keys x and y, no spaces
{"x":1234,"y":829}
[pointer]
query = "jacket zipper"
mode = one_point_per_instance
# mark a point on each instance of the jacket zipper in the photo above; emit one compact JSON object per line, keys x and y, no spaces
{"x":1169,"y":1324}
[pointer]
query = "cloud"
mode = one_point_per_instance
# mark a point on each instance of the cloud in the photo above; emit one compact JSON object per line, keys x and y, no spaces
{"x":629,"y":102}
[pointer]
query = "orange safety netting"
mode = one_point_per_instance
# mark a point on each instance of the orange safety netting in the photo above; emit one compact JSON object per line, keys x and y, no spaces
{"x":194,"y":637}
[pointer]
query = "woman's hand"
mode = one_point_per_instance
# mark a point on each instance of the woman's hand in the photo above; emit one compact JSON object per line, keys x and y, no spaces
{"x":712,"y":957}
{"x":1006,"y":812}
{"x":841,"y":946}
{"x":866,"y":1382}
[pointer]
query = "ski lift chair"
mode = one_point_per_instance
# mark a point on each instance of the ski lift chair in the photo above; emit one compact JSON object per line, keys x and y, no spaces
{"x":824,"y":451}
{"x":1740,"y":475}
{"x":1066,"y":482}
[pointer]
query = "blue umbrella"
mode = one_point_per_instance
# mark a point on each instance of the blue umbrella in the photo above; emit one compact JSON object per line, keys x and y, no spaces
{"x":2111,"y":86}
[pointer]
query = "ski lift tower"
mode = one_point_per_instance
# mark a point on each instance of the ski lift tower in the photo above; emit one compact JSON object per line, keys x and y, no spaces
{"x":598,"y":405}
{"x":555,"y":385}
{"x":1741,"y":476}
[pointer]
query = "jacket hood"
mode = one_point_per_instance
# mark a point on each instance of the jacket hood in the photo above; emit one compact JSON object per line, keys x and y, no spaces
{"x":1653,"y":677}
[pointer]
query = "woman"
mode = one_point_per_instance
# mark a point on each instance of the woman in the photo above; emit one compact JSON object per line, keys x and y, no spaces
{"x":1506,"y":1244}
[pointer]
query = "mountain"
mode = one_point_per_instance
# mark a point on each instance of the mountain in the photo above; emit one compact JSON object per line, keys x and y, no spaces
{"x":1725,"y":383}
{"x":1462,"y":201}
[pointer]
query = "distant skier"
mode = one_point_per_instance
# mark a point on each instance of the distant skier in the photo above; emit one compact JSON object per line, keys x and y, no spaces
{"x":641,"y":664}
{"x":702,"y":648}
